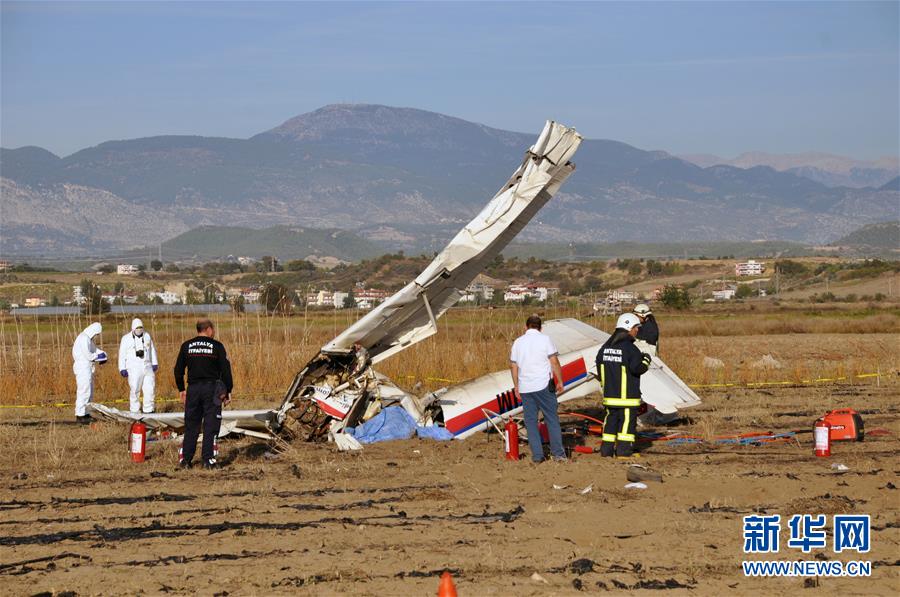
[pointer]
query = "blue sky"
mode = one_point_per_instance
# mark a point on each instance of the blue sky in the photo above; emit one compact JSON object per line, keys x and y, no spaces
{"x":684,"y":77}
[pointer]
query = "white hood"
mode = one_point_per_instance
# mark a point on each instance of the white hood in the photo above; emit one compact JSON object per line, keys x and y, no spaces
{"x":93,"y":329}
{"x":136,"y":323}
{"x":84,"y":351}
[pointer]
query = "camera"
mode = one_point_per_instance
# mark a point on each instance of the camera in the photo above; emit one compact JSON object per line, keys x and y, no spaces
{"x":139,"y":353}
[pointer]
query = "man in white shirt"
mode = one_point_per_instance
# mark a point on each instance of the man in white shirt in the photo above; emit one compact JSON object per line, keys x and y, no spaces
{"x":138,"y":364}
{"x":533,"y":359}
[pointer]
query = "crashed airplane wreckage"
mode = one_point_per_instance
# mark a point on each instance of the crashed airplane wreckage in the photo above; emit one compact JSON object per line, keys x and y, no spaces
{"x":339,"y":388}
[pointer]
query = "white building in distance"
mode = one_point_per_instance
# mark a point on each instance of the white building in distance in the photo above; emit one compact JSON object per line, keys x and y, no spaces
{"x":749,"y":268}
{"x":517,"y":293}
{"x":723,"y":295}
{"x":127,"y":269}
{"x":167,"y":297}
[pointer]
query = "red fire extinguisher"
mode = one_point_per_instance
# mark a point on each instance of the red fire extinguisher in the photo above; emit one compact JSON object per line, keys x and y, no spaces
{"x":822,"y":432}
{"x":138,"y":441}
{"x":511,"y":434}
{"x":545,"y":432}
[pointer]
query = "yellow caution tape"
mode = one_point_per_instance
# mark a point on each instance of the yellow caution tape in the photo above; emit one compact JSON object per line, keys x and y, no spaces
{"x":802,"y":382}
{"x":749,"y":384}
{"x":65,"y":404}
{"x":441,"y":379}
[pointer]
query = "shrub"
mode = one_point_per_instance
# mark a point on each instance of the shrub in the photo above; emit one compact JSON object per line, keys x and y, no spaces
{"x":675,"y":297}
{"x":94,"y":303}
{"x":276,"y":298}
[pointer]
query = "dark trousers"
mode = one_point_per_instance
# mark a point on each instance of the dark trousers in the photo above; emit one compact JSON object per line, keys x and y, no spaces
{"x":618,"y":431}
{"x":203,"y":406}
{"x":545,"y":402}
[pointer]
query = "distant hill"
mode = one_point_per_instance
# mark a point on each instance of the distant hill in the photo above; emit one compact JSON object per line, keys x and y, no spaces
{"x":891,"y":185}
{"x":403,"y":178}
{"x":591,"y":251}
{"x":284,"y":242}
{"x":884,"y":235}
{"x":829,"y":169}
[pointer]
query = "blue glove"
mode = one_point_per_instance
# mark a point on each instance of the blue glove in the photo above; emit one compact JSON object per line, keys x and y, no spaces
{"x":124,"y":373}
{"x":101,"y":357}
{"x":155,"y":368}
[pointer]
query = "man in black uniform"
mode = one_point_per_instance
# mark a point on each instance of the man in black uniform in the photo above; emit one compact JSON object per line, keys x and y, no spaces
{"x":620,"y":365}
{"x":649,"y":332}
{"x":209,"y":387}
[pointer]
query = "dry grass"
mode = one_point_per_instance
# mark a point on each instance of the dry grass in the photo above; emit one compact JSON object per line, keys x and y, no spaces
{"x":266,"y":352}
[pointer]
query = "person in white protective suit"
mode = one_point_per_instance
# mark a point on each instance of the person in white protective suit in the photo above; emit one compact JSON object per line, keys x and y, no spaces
{"x":138,"y":363}
{"x":85,"y":354}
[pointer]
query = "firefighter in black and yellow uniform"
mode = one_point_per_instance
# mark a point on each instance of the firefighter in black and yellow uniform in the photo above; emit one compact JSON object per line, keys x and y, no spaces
{"x":620,"y":366}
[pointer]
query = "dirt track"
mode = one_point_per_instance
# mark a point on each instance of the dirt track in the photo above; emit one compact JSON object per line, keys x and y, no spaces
{"x":80,"y":518}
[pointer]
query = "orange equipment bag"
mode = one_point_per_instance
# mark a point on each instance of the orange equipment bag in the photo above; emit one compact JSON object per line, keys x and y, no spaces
{"x":845,"y":425}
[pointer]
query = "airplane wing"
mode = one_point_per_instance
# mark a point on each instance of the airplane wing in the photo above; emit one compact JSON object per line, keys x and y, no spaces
{"x":660,"y":386}
{"x":664,"y":390}
{"x":256,"y":423}
{"x":410,"y":315}
{"x":570,"y":334}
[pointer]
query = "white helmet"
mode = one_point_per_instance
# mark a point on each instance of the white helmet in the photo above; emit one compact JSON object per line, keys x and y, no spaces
{"x":627,"y":321}
{"x":641,"y":310}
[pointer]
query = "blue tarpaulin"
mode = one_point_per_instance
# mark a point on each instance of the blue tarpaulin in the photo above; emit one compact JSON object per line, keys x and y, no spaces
{"x":394,"y":423}
{"x":434,"y":432}
{"x":391,"y":423}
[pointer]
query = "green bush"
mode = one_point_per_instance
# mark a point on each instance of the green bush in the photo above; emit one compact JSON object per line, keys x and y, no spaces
{"x":675,"y":297}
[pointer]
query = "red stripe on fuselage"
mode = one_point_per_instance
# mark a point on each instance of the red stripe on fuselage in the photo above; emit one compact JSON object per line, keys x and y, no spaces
{"x":505,"y":401}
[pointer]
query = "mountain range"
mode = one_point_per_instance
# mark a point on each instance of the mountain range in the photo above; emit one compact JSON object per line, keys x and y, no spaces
{"x":828,"y":169}
{"x":401,"y":178}
{"x":883,"y":235}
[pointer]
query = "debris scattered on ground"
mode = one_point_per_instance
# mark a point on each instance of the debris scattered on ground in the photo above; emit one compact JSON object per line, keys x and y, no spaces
{"x":636,"y":486}
{"x":840,"y":467}
{"x":767,"y":362}
{"x":637,"y":473}
{"x":707,"y":507}
{"x":20,"y":476}
{"x":713,"y":363}
{"x":538,"y":578}
{"x":582,"y":566}
{"x":561,"y":486}
{"x":587,"y":489}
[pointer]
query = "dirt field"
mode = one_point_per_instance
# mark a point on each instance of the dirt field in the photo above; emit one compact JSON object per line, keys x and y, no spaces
{"x":77,"y":516}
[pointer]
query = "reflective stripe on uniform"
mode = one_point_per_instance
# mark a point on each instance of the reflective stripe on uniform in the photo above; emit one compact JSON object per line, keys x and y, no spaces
{"x":607,"y":437}
{"x":623,"y":392}
{"x":623,"y":434}
{"x":622,"y":402}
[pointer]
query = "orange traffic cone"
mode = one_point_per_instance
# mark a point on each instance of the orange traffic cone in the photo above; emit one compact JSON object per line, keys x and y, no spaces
{"x":446,"y":588}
